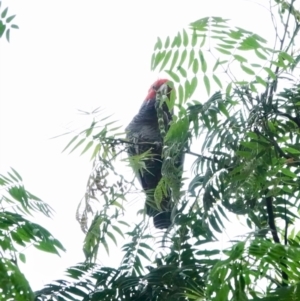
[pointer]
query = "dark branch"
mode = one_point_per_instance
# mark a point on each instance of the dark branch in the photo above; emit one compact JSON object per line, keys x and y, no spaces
{"x":113,"y":141}
{"x":199,"y":156}
{"x":271,"y":220}
{"x":294,"y":119}
{"x":118,"y":141}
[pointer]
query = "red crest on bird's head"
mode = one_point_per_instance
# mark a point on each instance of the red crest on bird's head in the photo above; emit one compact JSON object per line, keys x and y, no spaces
{"x":154,"y":88}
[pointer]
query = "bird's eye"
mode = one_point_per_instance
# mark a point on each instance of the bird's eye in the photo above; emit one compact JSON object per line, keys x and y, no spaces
{"x":154,"y":88}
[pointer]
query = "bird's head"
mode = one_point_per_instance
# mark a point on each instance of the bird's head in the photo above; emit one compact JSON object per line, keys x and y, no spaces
{"x":157,"y":86}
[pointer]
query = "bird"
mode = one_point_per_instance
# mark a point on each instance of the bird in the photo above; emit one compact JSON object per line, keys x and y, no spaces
{"x":144,"y":136}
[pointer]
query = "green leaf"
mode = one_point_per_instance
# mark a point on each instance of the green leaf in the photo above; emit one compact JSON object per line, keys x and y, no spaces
{"x":237,"y":251}
{"x":201,"y":24}
{"x":158,"y":58}
{"x":118,"y":230}
{"x":259,"y":38}
{"x":105,"y":246}
{"x":252,"y":135}
{"x":202,"y":61}
{"x":4,"y":13}
{"x":166,"y":60}
{"x":96,"y":151}
{"x":7,"y":35}
{"x":180,"y":94}
{"x":240,"y":58}
{"x":253,"y":88}
{"x":223,"y":109}
{"x":223,"y":51}
{"x":261,"y":81}
{"x":167,"y":42}
{"x":207,"y":84}
{"x":173,"y":75}
{"x":244,"y":154}
{"x":270,"y":72}
{"x":78,"y":144}
{"x":226,"y":46}
{"x":74,"y":291}
{"x":89,"y":131}
{"x":175,"y":42}
{"x":175,"y":58}
{"x":158,"y":44}
{"x":185,"y":38}
{"x":143,"y":245}
{"x":218,"y":82}
{"x":46,"y":246}
{"x":192,"y":56}
{"x":10,"y":18}
{"x":242,"y":83}
{"x":228,"y":89}
{"x":287,"y":57}
{"x":291,"y":150}
{"x":182,"y":71}
{"x":183,"y":57}
{"x":218,"y":63}
{"x":235,"y":34}
{"x":271,"y":126}
{"x":288,"y":173}
{"x":179,"y":41}
{"x":186,"y":90}
{"x":193,"y":85}
{"x":195,"y":66}
{"x":117,"y":204}
{"x":112,"y":237}
{"x":249,"y":43}
{"x":247,"y":70}
{"x":123,"y":223}
{"x":260,"y":55}
{"x":13,"y":26}
{"x":17,"y":174}
{"x":194,"y":38}
{"x":2,"y":28}
{"x":220,"y":20}
{"x":142,"y":253}
{"x":214,"y":224}
{"x":280,"y":63}
{"x":14,"y":286}
{"x":231,"y":42}
{"x":152,"y":61}
{"x":88,"y":146}
{"x":22,"y":257}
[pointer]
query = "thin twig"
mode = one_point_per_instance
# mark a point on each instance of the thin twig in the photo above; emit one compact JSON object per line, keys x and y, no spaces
{"x":199,"y":156}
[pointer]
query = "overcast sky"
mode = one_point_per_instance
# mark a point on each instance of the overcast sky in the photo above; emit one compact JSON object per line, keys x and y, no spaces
{"x":70,"y":55}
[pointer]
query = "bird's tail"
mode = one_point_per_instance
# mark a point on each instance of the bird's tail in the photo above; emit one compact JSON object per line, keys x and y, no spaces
{"x":162,"y":217}
{"x":162,"y":220}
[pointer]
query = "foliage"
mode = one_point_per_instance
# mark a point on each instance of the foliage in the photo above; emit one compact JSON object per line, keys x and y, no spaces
{"x":17,"y":233}
{"x":5,"y":23}
{"x":245,"y":140}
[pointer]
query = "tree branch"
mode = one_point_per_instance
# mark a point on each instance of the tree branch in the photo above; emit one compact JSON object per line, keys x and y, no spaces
{"x":271,"y":220}
{"x":199,"y":156}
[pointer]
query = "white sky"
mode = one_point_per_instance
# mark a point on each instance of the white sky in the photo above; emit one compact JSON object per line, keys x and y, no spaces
{"x":70,"y":55}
